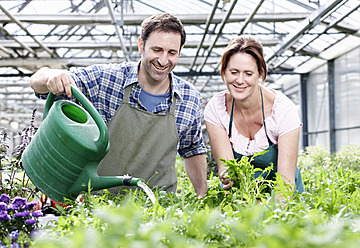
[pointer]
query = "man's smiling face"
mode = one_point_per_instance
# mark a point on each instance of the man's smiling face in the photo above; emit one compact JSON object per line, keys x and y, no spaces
{"x":160,"y":54}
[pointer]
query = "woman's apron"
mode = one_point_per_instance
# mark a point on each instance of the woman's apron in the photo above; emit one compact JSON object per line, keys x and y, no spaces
{"x":270,"y":157}
{"x":143,"y":145}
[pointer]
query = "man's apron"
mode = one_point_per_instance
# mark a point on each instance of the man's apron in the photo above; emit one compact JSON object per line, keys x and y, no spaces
{"x":142,"y":145}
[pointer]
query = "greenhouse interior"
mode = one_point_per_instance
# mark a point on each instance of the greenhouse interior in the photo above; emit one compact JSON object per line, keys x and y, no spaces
{"x":312,"y":54}
{"x":311,"y":48}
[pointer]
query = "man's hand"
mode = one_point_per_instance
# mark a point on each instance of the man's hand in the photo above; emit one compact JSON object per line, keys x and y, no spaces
{"x":54,"y":80}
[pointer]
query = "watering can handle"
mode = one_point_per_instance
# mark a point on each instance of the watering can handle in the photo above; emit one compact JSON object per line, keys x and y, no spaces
{"x":104,"y":136}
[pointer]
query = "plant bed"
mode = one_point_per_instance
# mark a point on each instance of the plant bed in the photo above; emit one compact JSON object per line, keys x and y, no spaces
{"x":326,"y":215}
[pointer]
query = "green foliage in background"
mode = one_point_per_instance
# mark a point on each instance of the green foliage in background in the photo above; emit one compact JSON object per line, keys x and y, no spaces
{"x":326,"y":215}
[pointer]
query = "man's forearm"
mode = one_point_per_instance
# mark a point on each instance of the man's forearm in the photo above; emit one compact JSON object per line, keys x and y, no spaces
{"x":195,"y":167}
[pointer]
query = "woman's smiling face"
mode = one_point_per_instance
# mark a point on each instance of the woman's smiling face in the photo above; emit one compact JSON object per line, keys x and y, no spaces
{"x":241,"y":75}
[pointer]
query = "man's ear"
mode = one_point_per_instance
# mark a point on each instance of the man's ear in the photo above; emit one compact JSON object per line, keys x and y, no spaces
{"x":181,"y":49}
{"x":141,"y":45}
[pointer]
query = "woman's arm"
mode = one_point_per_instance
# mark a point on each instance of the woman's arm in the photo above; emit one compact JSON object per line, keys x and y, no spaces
{"x":221,"y":148}
{"x":288,"y":146}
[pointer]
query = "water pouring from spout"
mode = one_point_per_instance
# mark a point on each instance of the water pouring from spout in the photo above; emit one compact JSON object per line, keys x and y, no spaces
{"x":148,"y":191}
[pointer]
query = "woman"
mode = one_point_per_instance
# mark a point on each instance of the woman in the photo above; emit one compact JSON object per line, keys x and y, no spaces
{"x":249,"y":118}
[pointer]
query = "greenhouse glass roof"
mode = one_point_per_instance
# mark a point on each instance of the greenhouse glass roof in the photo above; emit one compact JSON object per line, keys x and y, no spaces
{"x":298,"y":35}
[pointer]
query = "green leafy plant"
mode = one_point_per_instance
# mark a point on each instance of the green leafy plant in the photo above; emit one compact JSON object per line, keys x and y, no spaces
{"x":245,"y":183}
{"x":326,"y":215}
{"x":211,"y":162}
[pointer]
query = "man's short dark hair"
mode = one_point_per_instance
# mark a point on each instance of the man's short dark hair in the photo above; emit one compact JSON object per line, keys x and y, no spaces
{"x":162,"y":22}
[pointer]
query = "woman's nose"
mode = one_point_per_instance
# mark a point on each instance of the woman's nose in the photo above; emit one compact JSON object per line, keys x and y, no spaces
{"x":240,"y":78}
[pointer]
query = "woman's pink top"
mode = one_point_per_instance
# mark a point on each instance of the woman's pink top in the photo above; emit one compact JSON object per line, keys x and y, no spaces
{"x":283,"y":119}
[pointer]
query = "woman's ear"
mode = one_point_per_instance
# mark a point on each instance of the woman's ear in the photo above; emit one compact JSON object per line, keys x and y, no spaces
{"x":262,"y":78}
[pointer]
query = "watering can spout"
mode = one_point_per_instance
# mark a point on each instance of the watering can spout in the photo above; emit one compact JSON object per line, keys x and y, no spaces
{"x":90,"y":179}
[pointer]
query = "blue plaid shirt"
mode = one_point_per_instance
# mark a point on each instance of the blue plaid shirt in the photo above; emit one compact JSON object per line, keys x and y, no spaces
{"x":104,"y":86}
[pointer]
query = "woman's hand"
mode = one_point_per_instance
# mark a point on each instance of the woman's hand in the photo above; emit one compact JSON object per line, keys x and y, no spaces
{"x":225,"y":179}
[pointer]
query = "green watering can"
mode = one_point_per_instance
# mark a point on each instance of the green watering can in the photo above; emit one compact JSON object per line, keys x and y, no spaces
{"x":65,"y":151}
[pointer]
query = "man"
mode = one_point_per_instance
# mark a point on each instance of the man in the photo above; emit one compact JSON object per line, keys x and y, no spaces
{"x":151,"y":113}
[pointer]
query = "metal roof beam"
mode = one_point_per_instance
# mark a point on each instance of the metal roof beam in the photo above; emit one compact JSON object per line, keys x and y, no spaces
{"x":246,"y":23}
{"x":136,"y":19}
{"x":23,"y":5}
{"x":117,"y":28}
{"x":36,"y":63}
{"x":17,"y":41}
{"x":331,"y":25}
{"x":303,"y":5}
{"x":328,"y":27}
{"x":250,"y":16}
{"x":151,"y":6}
{"x":15,"y":20}
{"x":5,"y":50}
{"x":108,"y":45}
{"x":208,"y":22}
{"x":303,"y":27}
{"x":222,"y":25}
{"x":75,"y":8}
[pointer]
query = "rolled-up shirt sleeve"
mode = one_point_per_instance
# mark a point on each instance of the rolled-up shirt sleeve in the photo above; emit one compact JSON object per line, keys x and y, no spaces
{"x":189,"y":115}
